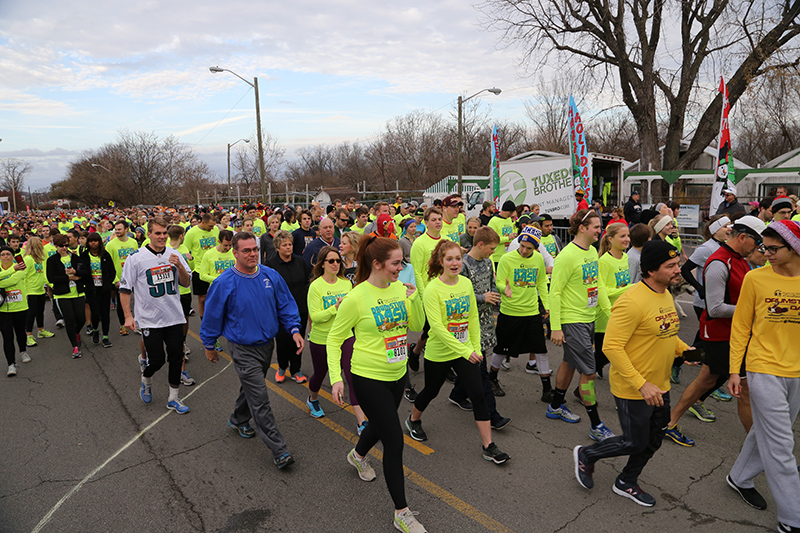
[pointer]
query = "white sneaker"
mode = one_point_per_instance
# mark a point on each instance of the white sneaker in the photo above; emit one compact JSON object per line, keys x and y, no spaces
{"x":60,"y":323}
{"x":406,"y":521}
{"x":12,"y":370}
{"x":365,"y":472}
{"x":186,"y":350}
{"x":25,"y":357}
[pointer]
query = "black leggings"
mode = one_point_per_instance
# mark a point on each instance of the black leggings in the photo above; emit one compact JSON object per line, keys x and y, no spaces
{"x":120,"y":311}
{"x":600,"y":359}
{"x":35,"y":311}
{"x":100,"y":308}
{"x":74,"y":312}
{"x":286,"y":349}
{"x":154,"y":341}
{"x":10,"y":324}
{"x":380,"y":400}
{"x":469,"y":376}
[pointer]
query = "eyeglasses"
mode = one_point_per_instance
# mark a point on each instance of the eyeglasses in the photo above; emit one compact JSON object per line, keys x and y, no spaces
{"x":772,"y":250}
{"x":758,"y":241}
{"x":333,"y":261}
{"x":248,"y":250}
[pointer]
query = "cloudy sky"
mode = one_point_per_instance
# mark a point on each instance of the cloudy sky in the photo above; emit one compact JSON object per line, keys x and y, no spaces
{"x":75,"y":73}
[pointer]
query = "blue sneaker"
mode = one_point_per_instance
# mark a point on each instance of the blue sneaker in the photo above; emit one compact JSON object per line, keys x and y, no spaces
{"x":675,"y":375}
{"x":186,"y":379}
{"x":678,"y":437}
{"x":562,"y":413}
{"x":284,"y":460}
{"x":362,"y":426}
{"x":145,"y":394}
{"x":246,"y":431}
{"x":217,"y":346}
{"x":721,"y":396}
{"x":600,"y":433}
{"x":314,"y":408}
{"x":177,"y":406}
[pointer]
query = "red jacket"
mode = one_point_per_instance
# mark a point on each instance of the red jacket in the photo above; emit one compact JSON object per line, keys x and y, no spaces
{"x":719,"y":329}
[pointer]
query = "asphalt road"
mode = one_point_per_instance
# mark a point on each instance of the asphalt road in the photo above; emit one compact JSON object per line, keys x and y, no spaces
{"x":82,"y":453}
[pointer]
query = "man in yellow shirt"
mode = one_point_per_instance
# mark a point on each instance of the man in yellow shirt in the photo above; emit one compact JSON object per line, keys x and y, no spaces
{"x":641,"y":342}
{"x":765,"y":329}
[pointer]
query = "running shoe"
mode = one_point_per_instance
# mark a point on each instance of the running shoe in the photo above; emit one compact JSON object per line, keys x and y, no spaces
{"x":107,"y":343}
{"x":89,"y":329}
{"x":142,"y":363}
{"x":217,"y":345}
{"x":177,"y":405}
{"x":31,"y":341}
{"x":721,"y":396}
{"x":123,"y":331}
{"x":44,"y":334}
{"x":145,"y":393}
{"x":410,"y":394}
{"x":186,"y":351}
{"x":365,"y":472}
{"x":96,"y":336}
{"x":750,"y":496}
{"x":562,"y":413}
{"x":407,"y":522}
{"x":362,"y":426}
{"x":299,"y":377}
{"x":192,"y":312}
{"x":547,"y":396}
{"x":314,"y":408}
{"x":76,"y":353}
{"x":284,"y":460}
{"x":506,"y":364}
{"x":704,"y":415}
{"x":60,"y":323}
{"x":583,"y":470}
{"x":531,"y":368}
{"x":186,"y":379}
{"x":493,"y":453}
{"x":25,"y":357}
{"x":280,"y":376}
{"x":675,"y":375}
{"x":501,"y":423}
{"x":246,"y":431}
{"x":600,"y":433}
{"x":497,"y":390}
{"x":12,"y":370}
{"x":415,"y":429}
{"x":633,"y":492}
{"x":678,"y":437}
{"x":464,"y":405}
{"x":783,"y":528}
{"x":413,"y":358}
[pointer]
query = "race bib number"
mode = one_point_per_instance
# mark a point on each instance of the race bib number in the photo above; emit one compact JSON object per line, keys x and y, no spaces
{"x":97,"y":279}
{"x":14,"y":296}
{"x":592,"y":294}
{"x":161,"y":274}
{"x":459,"y":330}
{"x":396,"y":349}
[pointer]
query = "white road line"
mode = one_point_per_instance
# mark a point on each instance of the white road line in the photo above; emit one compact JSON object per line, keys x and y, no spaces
{"x":43,"y":522}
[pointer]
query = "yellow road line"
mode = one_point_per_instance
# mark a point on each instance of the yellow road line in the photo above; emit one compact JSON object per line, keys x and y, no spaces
{"x":429,"y":486}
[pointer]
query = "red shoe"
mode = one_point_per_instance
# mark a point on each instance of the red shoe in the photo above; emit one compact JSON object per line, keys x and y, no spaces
{"x":300,"y":377}
{"x":280,"y":376}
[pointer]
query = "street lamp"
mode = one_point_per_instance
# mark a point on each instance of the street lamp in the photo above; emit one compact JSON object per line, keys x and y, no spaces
{"x":493,"y":90}
{"x":254,"y":85}
{"x":229,"y":161}
{"x":101,"y":166}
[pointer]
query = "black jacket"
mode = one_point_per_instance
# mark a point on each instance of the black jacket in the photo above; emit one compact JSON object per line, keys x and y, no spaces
{"x":632,"y":211}
{"x":57,"y":274}
{"x":107,"y":269}
{"x":296,"y":273}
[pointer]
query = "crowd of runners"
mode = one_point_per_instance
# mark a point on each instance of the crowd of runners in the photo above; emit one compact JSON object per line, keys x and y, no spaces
{"x":355,"y":281}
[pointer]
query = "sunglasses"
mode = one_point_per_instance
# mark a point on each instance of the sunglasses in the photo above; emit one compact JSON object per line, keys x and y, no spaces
{"x":333,"y":261}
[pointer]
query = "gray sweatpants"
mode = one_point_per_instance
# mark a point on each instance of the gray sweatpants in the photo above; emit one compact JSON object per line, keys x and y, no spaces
{"x":769,"y":446}
{"x":251,"y":363}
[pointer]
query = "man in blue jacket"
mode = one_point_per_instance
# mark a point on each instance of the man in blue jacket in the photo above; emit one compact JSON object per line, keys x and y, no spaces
{"x":247,"y":304}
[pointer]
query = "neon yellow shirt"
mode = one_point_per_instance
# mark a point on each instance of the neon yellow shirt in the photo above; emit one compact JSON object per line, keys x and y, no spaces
{"x":288,"y":227}
{"x":215,"y":263}
{"x":49,"y":250}
{"x":381,"y":319}
{"x":184,"y":251}
{"x":322,"y":310}
{"x":528,"y":280}
{"x":575,"y":288}
{"x":504,"y":228}
{"x":355,"y":228}
{"x":119,"y":252}
{"x":616,"y":277}
{"x":259,"y":228}
{"x":421,"y":250}
{"x":453,"y":230}
{"x":34,"y":276}
{"x":73,"y":287}
{"x":453,"y":316}
{"x":13,"y":281}
{"x":199,"y":241}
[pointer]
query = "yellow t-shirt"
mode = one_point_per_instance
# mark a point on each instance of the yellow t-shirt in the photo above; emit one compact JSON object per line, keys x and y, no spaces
{"x":322,"y":309}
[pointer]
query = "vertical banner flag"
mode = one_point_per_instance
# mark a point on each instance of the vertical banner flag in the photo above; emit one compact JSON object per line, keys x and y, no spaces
{"x":578,"y":152}
{"x":724,"y":176}
{"x":495,"y":176}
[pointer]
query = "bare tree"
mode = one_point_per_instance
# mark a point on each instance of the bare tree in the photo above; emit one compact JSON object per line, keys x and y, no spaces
{"x":244,"y":160}
{"x":13,"y":174}
{"x":625,"y":38}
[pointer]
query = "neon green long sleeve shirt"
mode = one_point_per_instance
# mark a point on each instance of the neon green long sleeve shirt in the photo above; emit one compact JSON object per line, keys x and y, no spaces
{"x":616,"y":277}
{"x":528,"y":280}
{"x":199,"y":241}
{"x":504,"y":228}
{"x":381,"y":319}
{"x":575,"y":288}
{"x":453,"y":316}
{"x":16,"y":291}
{"x":322,"y":310}
{"x":215,"y":263}
{"x":34,"y":276}
{"x":421,"y":251}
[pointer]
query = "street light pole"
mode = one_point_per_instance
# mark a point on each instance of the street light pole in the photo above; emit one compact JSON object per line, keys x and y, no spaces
{"x":493,"y":90}
{"x":229,"y":161}
{"x":261,"y":169}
